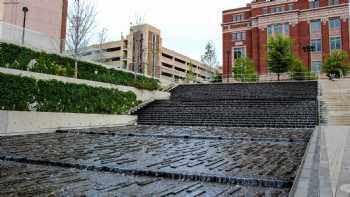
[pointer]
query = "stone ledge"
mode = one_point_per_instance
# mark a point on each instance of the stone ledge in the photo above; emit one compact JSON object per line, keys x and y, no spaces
{"x":20,"y":123}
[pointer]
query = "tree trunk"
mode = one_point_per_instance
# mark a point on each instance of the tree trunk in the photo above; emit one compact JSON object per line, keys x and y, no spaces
{"x":278,"y":76}
{"x":76,"y":69}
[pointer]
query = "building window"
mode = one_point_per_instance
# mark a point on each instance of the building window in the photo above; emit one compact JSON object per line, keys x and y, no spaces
{"x":314,"y":4}
{"x":278,"y":28}
{"x":277,"y":9}
{"x":265,"y":10}
{"x":316,"y":66}
{"x":238,"y":53}
{"x":286,"y":28}
{"x":334,"y":23}
{"x":316,"y":44}
{"x":290,"y":7}
{"x":238,"y":36}
{"x":238,"y":18}
{"x":269,"y":30}
{"x":335,"y":43}
{"x":333,"y":2}
{"x":315,"y":26}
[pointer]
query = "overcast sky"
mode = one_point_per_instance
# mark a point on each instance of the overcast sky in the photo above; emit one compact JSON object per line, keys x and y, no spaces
{"x":186,"y":25}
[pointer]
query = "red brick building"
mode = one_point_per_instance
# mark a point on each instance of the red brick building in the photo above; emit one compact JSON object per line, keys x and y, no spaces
{"x":323,"y":24}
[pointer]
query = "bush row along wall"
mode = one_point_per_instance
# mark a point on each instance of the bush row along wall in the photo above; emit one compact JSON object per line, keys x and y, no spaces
{"x":17,"y":57}
{"x":27,"y":94}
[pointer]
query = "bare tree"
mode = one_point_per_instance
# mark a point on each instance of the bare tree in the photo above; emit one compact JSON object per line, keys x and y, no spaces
{"x":81,"y":22}
{"x":209,"y":58}
{"x":140,"y":20}
{"x":102,"y":38}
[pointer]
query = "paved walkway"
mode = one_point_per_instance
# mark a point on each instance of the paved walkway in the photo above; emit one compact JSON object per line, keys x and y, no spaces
{"x":326,"y":168}
{"x":335,"y":136}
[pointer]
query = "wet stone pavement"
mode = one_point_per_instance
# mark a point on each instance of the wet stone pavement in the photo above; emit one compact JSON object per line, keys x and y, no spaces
{"x":269,"y":134}
{"x":152,"y":161}
{"x":18,"y":179}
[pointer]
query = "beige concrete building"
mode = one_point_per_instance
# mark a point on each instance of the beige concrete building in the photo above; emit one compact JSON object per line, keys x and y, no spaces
{"x":141,"y":51}
{"x":46,"y":22}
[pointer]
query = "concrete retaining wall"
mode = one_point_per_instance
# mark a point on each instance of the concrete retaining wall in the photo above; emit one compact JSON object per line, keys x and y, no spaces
{"x":306,"y":183}
{"x":18,"y":123}
{"x":142,"y":95}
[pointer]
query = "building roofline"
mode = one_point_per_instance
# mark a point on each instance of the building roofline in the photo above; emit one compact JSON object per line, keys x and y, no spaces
{"x":180,"y":54}
{"x":237,"y":9}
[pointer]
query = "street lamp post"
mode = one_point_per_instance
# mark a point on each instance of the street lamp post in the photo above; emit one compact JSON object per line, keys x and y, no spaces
{"x":25,"y":10}
{"x":308,"y":49}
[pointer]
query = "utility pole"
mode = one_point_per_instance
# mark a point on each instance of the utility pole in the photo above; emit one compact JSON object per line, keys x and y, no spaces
{"x":25,"y":10}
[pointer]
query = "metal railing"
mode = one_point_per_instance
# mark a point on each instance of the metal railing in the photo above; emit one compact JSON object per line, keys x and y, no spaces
{"x":270,"y":77}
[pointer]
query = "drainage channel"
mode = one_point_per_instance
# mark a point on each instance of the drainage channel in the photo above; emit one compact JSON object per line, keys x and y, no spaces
{"x":244,"y":181}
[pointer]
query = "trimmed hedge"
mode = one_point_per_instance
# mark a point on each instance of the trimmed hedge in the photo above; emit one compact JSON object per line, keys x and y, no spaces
{"x":17,"y":57}
{"x":28,"y":94}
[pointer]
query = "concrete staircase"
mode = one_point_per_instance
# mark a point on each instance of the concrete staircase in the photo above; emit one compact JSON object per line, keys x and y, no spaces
{"x":335,"y":102}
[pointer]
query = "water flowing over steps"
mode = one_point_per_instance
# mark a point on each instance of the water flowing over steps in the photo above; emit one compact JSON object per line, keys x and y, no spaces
{"x":208,"y":157}
{"x":270,"y":105}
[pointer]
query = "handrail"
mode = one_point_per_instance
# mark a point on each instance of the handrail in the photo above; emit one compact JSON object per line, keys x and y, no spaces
{"x":269,"y":77}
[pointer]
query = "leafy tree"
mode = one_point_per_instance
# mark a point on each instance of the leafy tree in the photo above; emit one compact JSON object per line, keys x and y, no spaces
{"x":337,"y":63}
{"x":245,"y":70}
{"x":279,"y":54}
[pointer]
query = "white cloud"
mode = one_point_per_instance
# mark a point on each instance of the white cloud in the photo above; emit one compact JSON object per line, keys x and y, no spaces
{"x":186,"y":25}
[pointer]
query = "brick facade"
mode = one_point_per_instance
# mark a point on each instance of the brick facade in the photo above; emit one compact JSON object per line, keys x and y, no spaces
{"x":297,"y":15}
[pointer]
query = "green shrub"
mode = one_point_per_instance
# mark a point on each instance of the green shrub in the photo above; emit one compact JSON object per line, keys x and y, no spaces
{"x":337,"y":63}
{"x":16,"y":93}
{"x":245,"y":70}
{"x":297,"y":70}
{"x":27,"y":94}
{"x":17,"y":57}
